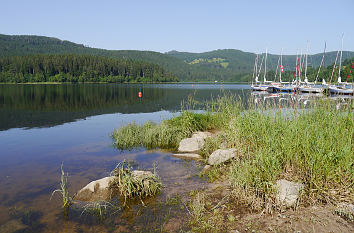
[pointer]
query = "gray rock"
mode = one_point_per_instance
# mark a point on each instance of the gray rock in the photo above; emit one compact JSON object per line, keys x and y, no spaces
{"x":11,"y":226}
{"x":194,"y":143}
{"x":288,"y":192}
{"x":142,"y":174}
{"x":203,"y":135}
{"x":97,"y":190}
{"x":221,"y":155}
{"x":188,"y":156}
{"x":206,"y":168}
{"x":345,"y":210}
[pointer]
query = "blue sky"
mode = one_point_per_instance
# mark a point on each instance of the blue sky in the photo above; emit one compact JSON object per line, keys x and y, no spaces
{"x":194,"y":25}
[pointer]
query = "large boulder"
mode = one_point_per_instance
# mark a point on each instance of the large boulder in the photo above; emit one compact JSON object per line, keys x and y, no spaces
{"x":288,"y":192}
{"x":194,"y":143}
{"x":97,"y":190}
{"x":221,"y":155}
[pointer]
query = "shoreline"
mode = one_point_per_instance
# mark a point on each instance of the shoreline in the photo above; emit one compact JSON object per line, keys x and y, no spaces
{"x":267,"y":150}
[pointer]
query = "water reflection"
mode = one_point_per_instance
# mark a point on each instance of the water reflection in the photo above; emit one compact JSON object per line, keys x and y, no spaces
{"x":49,"y":105}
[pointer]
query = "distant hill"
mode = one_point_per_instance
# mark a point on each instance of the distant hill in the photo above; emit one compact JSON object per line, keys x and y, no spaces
{"x":239,"y":61}
{"x":222,"y":65}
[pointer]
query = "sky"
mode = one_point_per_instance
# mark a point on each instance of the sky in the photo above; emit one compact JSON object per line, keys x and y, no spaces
{"x":186,"y":25}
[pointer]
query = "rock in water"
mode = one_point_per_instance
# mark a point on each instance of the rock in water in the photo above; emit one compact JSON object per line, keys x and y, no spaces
{"x":193,"y":144}
{"x":188,"y":156}
{"x":221,"y":155}
{"x":288,"y":192}
{"x":13,"y":226}
{"x":97,"y":190}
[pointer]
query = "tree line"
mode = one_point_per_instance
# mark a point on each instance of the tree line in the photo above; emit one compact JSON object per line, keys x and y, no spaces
{"x":79,"y":68}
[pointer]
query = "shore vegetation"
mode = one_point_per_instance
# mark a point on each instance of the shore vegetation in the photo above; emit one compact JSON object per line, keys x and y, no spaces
{"x":313,"y":146}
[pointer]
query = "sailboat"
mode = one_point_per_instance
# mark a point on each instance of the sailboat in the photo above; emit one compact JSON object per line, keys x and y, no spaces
{"x":311,"y":87}
{"x":283,"y":88}
{"x":273,"y":85}
{"x":340,"y":88}
{"x":258,"y":86}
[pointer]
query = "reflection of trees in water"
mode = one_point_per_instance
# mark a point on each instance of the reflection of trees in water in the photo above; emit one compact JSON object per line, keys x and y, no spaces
{"x":48,"y":105}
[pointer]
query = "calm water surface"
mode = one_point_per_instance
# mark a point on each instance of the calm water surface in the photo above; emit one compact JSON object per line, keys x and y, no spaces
{"x":42,"y":126}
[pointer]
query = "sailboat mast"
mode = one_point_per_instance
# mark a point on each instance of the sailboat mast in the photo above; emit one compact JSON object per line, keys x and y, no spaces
{"x":254,"y":68}
{"x":281,"y":64}
{"x":296,"y":63}
{"x":340,"y":61}
{"x":276,"y":71}
{"x":324,"y":51}
{"x":307,"y":52}
{"x":302,"y":61}
{"x":265,"y":67}
{"x":260,"y":69}
{"x":334,"y":67}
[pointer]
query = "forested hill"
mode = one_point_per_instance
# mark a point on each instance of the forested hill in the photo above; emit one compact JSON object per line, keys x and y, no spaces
{"x":221,"y":65}
{"x":18,"y":45}
{"x":79,"y":68}
{"x":237,"y":60}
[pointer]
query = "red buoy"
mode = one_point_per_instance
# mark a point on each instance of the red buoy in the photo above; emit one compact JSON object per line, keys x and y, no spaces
{"x":140,"y":94}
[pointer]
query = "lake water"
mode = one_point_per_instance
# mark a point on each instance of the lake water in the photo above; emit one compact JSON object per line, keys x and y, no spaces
{"x":42,"y":126}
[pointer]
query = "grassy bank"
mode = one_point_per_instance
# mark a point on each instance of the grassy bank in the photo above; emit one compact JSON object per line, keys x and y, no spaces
{"x":314,"y":147}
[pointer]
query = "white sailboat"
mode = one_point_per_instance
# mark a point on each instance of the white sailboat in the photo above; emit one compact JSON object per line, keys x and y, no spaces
{"x":340,"y":88}
{"x":258,"y":86}
{"x":288,"y":87}
{"x":308,"y":87}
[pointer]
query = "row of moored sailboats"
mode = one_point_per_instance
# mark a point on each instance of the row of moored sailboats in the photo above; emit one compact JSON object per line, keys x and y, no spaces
{"x":297,"y":85}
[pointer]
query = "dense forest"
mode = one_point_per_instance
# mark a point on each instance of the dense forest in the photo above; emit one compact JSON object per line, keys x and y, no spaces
{"x":79,"y":68}
{"x":221,"y":65}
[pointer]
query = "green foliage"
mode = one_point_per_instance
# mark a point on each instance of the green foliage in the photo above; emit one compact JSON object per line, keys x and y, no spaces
{"x":67,"y":199}
{"x":315,"y":148}
{"x":132,"y":186}
{"x":78,"y":68}
{"x":202,"y":219}
{"x":168,"y":134}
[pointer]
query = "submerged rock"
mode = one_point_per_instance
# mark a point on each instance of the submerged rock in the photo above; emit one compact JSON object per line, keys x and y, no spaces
{"x":188,"y":156}
{"x":288,"y":192}
{"x":194,"y":143}
{"x":97,"y":190}
{"x":12,"y":226}
{"x":206,"y":168}
{"x":221,"y":155}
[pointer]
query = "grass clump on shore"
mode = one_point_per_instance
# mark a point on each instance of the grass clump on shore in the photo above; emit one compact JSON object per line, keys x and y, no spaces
{"x":168,"y":134}
{"x":131,"y":185}
{"x":315,"y":148}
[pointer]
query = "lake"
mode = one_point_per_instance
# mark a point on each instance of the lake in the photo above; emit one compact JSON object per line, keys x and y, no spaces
{"x":42,"y":126}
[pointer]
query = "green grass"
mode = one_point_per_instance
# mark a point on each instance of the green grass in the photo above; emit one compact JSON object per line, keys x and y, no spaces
{"x":168,"y":134}
{"x":67,"y":199}
{"x":315,"y":148}
{"x":130,"y":186}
